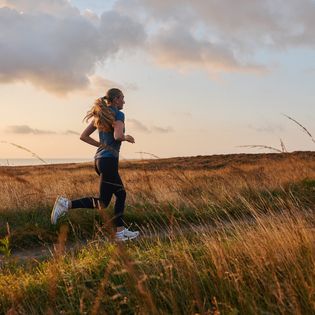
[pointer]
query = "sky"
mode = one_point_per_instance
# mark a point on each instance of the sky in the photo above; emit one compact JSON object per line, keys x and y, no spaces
{"x":199,"y":77}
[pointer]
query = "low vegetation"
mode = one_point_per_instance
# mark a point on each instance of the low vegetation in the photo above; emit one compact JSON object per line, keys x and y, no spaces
{"x":230,"y":234}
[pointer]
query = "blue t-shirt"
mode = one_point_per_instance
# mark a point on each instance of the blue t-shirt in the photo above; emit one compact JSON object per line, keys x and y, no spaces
{"x":112,"y":146}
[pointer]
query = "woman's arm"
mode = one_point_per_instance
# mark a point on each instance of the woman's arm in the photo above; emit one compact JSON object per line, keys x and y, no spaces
{"x":119,"y":132}
{"x":85,"y":136}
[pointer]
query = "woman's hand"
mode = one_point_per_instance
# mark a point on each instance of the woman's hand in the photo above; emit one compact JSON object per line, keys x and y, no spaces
{"x":119,"y":132}
{"x":129,"y":138}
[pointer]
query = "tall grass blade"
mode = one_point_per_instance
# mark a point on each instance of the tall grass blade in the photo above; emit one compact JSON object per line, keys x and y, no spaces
{"x":260,"y":146}
{"x":25,"y":149}
{"x":303,"y":128}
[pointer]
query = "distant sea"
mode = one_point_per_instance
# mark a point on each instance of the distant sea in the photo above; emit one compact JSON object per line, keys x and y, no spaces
{"x":19,"y":162}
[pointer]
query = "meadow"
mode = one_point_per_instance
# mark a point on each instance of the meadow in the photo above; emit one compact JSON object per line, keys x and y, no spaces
{"x":221,"y":234}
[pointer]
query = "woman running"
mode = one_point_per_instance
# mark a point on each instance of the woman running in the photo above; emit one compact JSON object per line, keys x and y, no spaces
{"x":108,"y":119}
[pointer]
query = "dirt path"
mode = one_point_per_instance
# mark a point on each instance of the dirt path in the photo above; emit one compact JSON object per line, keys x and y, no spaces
{"x":42,"y":253}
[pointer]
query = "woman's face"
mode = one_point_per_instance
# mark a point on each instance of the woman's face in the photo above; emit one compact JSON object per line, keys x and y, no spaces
{"x":119,"y":101}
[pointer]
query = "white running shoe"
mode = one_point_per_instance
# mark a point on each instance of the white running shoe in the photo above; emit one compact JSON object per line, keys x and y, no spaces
{"x":120,"y":237}
{"x":126,"y":235}
{"x":60,"y":208}
{"x":131,"y":234}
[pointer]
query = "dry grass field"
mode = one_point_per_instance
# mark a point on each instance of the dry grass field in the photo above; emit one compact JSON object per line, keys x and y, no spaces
{"x":225,"y":234}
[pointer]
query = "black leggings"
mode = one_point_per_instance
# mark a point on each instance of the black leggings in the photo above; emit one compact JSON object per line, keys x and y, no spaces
{"x":110,"y":183}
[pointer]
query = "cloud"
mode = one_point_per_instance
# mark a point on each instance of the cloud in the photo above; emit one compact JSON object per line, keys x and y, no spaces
{"x":71,"y":132}
{"x":99,"y":85}
{"x":222,"y":36}
{"x":139,"y":126}
{"x":176,"y":47}
{"x":162,"y":130}
{"x":24,"y":129}
{"x":59,"y":8}
{"x":55,"y":47}
{"x":132,"y":123}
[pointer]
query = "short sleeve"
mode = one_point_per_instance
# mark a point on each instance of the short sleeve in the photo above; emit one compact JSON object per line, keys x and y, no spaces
{"x":120,"y":116}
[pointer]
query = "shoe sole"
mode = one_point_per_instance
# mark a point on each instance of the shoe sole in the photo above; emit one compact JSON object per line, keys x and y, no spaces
{"x":126,"y":238}
{"x":133,"y":237}
{"x":53,"y":211}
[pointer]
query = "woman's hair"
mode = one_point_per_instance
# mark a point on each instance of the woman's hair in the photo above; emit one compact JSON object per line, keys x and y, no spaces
{"x":103,"y":116}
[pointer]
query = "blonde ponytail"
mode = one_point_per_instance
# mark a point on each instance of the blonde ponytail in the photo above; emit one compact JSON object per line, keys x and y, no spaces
{"x":103,"y":116}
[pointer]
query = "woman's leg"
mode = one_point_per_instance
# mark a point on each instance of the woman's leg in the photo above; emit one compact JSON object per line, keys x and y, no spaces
{"x":120,"y":194}
{"x":87,"y":202}
{"x":110,"y":183}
